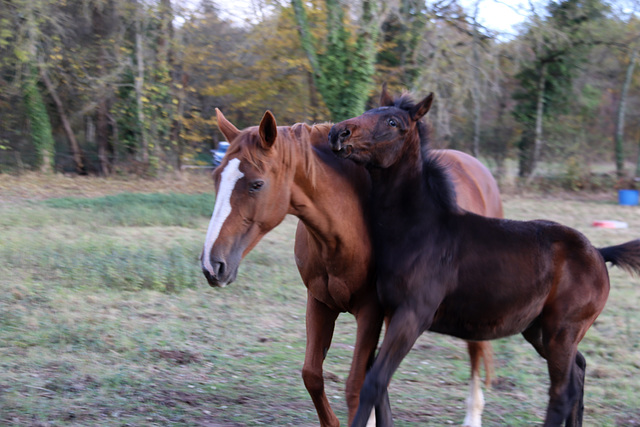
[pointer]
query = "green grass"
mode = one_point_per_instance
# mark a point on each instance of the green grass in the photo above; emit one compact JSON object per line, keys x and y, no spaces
{"x":105,"y":319}
{"x":126,"y":242}
{"x":128,"y":209}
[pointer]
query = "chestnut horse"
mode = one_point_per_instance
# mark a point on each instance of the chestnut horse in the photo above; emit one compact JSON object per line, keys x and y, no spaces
{"x":272,"y":171}
{"x":443,"y":269}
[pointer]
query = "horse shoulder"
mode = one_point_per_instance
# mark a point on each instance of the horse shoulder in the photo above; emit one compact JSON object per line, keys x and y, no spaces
{"x":334,"y":260}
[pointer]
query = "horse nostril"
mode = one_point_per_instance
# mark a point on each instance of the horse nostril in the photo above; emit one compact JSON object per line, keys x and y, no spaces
{"x":345,"y":134}
{"x":215,"y":270}
{"x":219,"y":268}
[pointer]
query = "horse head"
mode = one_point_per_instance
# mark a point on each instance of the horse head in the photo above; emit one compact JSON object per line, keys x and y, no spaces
{"x":376,"y":138}
{"x":251,"y":197}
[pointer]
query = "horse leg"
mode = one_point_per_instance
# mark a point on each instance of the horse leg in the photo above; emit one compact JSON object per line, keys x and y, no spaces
{"x":320,"y":325}
{"x":559,"y":348}
{"x":575,"y":417}
{"x":475,"y":401}
{"x":404,"y":329}
{"x":369,"y":324}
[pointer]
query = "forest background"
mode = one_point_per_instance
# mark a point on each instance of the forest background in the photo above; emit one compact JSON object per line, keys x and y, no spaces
{"x":130,"y":86}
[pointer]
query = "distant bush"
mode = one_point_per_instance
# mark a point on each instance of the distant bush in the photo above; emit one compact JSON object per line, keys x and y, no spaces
{"x":570,"y":181}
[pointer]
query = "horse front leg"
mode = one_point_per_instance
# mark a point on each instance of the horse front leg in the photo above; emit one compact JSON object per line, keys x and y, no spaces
{"x":369,"y":320}
{"x":403,"y":331}
{"x":320,"y":321}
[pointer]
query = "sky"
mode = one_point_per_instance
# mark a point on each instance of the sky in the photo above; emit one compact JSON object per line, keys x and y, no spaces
{"x":500,"y":15}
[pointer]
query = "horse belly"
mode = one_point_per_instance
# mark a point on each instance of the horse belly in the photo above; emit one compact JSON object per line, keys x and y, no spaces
{"x":484,"y":321}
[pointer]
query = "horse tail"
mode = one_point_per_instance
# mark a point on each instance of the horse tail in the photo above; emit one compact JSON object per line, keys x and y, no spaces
{"x":625,"y":256}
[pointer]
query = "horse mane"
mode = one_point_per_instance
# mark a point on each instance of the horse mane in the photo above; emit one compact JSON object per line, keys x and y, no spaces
{"x":292,"y":142}
{"x":437,"y":180}
{"x":438,"y":183}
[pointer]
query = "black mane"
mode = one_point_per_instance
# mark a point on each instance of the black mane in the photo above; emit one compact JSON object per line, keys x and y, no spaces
{"x":438,"y":183}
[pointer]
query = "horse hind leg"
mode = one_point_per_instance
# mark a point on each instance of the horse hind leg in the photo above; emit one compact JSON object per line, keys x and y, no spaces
{"x":564,"y":394}
{"x":577,"y":376}
{"x":566,"y":374}
{"x":475,"y":400}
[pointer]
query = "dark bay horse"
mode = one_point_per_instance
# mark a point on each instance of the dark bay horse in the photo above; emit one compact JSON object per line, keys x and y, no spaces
{"x":269,"y":172}
{"x":441,"y":268}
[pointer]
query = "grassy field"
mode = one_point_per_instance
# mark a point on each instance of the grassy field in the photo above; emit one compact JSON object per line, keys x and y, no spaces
{"x":105,"y":319}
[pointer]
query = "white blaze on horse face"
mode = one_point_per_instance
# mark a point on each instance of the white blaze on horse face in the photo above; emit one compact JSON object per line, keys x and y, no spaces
{"x":230,"y":176}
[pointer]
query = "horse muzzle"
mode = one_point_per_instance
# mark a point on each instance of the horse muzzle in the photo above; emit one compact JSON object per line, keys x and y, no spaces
{"x":218,"y":273}
{"x":337,"y":140}
{"x":344,"y":151}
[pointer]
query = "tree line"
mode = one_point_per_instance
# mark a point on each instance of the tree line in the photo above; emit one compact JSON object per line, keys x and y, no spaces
{"x":131,"y":86}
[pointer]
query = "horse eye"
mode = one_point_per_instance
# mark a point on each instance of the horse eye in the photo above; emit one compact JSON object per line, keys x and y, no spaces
{"x":256,"y":186}
{"x":392,"y":123}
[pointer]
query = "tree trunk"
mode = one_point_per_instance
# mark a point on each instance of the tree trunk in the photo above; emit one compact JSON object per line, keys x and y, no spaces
{"x":40,"y":125}
{"x":313,"y":99}
{"x":101,"y":30}
{"x":361,"y":76}
{"x":176,"y":126}
{"x":534,"y":154}
{"x":115,"y":138}
{"x":139,"y":85}
{"x":622,"y":109}
{"x":475,"y":91}
{"x":343,"y":74}
{"x":167,"y":66}
{"x":73,"y":143}
{"x":36,"y":110}
{"x":306,"y":40}
{"x":102,"y":133}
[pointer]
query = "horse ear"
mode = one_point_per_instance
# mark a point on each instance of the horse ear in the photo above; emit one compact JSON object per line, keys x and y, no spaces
{"x":226,"y":127}
{"x":386,"y":100}
{"x":268,"y":129}
{"x":421,"y":108}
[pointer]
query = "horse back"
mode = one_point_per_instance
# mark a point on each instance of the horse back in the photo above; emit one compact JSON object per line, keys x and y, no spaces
{"x":476,"y":189}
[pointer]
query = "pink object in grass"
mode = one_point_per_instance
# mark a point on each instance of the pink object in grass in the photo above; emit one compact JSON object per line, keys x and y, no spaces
{"x":605,"y":223}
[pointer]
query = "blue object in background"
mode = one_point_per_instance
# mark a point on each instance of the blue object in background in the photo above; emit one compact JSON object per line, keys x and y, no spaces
{"x":628,"y":197}
{"x":219,"y":153}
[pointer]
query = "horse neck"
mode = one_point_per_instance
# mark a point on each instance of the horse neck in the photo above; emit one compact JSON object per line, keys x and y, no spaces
{"x":399,"y":182}
{"x":416,"y":188}
{"x":330,"y":203}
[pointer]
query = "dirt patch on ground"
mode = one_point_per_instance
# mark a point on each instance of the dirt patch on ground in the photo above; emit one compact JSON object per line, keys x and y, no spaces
{"x":177,"y":357}
{"x":14,"y":188}
{"x":632,"y":419}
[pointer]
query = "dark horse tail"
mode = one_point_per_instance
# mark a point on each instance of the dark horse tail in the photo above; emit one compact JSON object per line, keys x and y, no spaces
{"x":625,"y":256}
